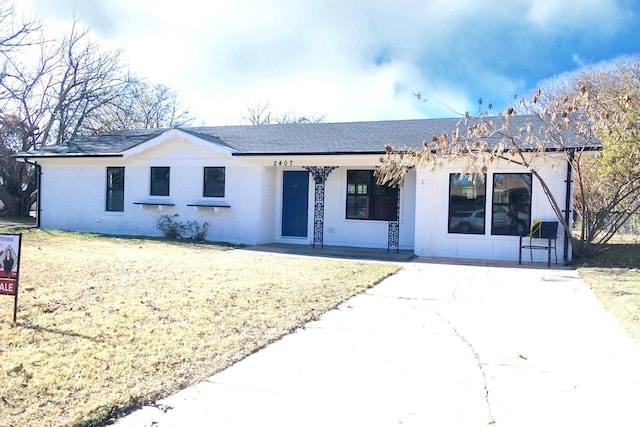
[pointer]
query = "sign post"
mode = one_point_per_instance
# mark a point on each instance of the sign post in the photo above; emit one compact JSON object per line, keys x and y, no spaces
{"x":10,"y":267}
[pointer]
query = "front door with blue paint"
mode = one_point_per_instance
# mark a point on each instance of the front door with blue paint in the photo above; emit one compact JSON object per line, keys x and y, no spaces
{"x":295,"y":203}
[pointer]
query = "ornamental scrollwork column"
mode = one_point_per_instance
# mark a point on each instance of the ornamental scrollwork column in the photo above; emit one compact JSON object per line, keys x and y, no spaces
{"x":320,"y":174}
{"x":393,"y":230}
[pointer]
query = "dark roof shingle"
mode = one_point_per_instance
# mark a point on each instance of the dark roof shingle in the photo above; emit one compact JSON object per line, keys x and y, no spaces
{"x":308,"y":138}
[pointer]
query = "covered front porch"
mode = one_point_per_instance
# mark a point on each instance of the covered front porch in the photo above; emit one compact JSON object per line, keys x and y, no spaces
{"x":330,"y":251}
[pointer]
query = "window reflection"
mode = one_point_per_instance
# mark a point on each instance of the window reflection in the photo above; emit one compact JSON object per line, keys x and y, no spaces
{"x":511,"y":209}
{"x":467,"y":199}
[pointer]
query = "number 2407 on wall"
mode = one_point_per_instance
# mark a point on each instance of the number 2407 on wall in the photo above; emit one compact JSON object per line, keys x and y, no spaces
{"x":283,"y":163}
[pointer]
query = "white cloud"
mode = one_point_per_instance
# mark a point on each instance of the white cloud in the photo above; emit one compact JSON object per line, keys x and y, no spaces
{"x":347,"y":60}
{"x":578,"y":60}
{"x":557,"y":16}
{"x":303,"y":60}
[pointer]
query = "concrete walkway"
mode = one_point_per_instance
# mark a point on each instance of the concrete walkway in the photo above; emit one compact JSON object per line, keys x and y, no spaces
{"x":435,"y":345}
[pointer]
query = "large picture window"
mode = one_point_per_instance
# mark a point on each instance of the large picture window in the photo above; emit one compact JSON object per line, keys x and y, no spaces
{"x":213,"y":182}
{"x":159,"y":181}
{"x":115,"y":189}
{"x":511,"y":209}
{"x":467,"y":201}
{"x":368,"y":200}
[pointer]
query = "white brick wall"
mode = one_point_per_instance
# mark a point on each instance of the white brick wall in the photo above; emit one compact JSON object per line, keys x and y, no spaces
{"x":73,"y":198}
{"x":432,"y":200}
{"x":74,"y":194}
{"x":268,"y":195}
{"x":366,"y":233}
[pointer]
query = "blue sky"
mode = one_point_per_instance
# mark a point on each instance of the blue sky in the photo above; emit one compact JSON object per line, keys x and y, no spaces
{"x":351,"y":60}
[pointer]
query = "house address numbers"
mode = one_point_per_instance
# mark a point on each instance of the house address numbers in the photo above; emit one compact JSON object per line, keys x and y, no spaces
{"x":283,"y":163}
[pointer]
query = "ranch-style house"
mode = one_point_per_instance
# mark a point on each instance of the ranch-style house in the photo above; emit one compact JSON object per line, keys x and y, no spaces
{"x":306,"y":184}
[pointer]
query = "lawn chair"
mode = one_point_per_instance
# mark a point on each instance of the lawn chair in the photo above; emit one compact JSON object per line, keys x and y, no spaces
{"x":542,"y":236}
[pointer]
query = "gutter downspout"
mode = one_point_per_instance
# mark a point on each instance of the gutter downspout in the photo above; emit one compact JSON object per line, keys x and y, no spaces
{"x":38,"y":180}
{"x":567,"y":209}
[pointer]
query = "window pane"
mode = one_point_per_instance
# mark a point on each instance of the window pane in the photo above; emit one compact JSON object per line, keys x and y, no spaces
{"x":214,"y":182}
{"x":115,"y":189}
{"x":367,"y":200}
{"x":357,"y":207}
{"x":467,"y":201}
{"x":358,"y":181}
{"x":385,"y":207}
{"x":159,"y":181}
{"x":511,"y":210}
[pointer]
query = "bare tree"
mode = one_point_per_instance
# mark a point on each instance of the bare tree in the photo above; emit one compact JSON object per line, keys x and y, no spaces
{"x":49,"y":100}
{"x":59,"y":95}
{"x":477,"y":142}
{"x":142,"y":105}
{"x":17,"y":185}
{"x":608,"y":191}
{"x":261,"y":114}
{"x":14,"y":33}
{"x":292,"y":118}
{"x":17,"y":179}
{"x":52,"y":92}
{"x":573,"y":124}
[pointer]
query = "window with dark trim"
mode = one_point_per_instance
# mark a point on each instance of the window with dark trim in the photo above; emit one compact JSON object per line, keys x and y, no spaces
{"x":368,"y":200}
{"x":213,"y":182}
{"x":511,"y":204}
{"x":160,"y":181}
{"x":115,"y":189}
{"x":467,"y":204}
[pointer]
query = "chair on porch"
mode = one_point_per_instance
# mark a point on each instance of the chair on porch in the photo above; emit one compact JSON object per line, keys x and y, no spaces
{"x":542,"y":236}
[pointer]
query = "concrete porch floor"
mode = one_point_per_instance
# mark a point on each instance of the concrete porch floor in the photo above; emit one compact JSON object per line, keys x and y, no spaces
{"x":347,"y":252}
{"x":382,"y":255}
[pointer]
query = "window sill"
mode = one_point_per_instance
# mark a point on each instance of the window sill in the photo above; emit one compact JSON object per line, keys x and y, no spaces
{"x":360,"y":220}
{"x":216,"y":206}
{"x":154,"y":203}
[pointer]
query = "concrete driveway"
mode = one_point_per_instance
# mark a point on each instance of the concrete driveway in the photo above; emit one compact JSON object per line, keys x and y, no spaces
{"x":434,"y":345}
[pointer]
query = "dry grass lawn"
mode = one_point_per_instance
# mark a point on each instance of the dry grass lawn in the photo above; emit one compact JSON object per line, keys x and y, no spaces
{"x":105,"y":324}
{"x":618,"y":289}
{"x":614,"y":276}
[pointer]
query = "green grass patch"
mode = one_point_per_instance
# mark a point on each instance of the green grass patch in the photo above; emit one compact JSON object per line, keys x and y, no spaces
{"x":106,"y":323}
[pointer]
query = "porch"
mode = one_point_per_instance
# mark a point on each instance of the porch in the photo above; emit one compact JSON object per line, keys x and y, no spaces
{"x":345,"y":252}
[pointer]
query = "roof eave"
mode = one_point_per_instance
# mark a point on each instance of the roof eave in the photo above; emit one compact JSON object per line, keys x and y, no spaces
{"x":308,"y":153}
{"x":67,"y":155}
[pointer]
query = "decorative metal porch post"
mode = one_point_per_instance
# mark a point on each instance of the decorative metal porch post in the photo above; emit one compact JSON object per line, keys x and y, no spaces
{"x":320,"y":174}
{"x":393,"y":237}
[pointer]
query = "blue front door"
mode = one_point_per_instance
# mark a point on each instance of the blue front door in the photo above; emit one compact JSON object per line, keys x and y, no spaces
{"x":295,"y":202}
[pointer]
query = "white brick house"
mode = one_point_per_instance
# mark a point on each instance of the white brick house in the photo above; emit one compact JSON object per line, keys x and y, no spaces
{"x":307,"y":184}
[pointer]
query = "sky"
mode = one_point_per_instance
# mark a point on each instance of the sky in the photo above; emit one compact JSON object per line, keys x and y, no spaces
{"x":351,"y":60}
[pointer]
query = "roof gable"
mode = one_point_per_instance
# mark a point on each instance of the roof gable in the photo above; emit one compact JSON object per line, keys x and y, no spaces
{"x":171,"y":134}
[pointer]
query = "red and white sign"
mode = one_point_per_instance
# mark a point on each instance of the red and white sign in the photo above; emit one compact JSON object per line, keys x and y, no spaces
{"x":9,"y":256}
{"x":7,"y":287}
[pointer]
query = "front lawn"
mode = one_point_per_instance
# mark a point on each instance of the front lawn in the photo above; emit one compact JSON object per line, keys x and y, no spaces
{"x":105,"y":324}
{"x":614,"y":276}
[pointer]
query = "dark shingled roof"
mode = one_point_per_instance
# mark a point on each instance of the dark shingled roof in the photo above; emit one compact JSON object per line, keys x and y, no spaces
{"x":327,"y":138}
{"x":106,"y":144}
{"x":308,"y":138}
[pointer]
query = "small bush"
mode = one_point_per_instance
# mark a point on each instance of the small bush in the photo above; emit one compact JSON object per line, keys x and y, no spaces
{"x":197,"y":231}
{"x":171,"y":228}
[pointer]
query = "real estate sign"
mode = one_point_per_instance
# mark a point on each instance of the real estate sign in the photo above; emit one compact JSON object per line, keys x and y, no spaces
{"x":9,"y":266}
